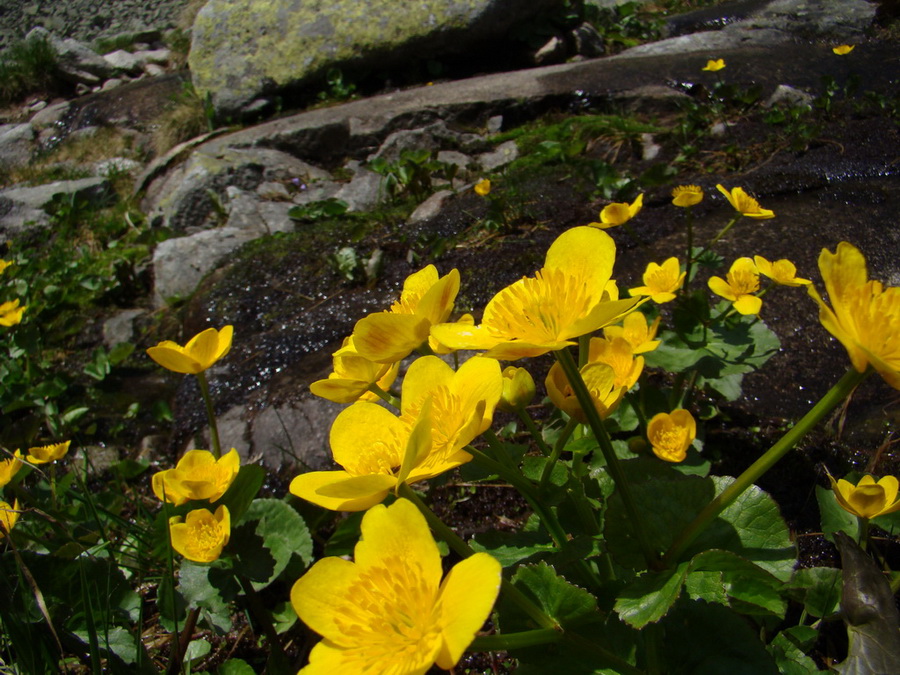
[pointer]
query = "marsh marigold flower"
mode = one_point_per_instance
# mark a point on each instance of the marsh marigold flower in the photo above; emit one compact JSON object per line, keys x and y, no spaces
{"x":864,"y":315}
{"x":571,"y":295}
{"x":389,"y":611}
{"x":3,"y":265}
{"x":661,"y":281}
{"x":201,"y":535}
{"x":782,"y":271}
{"x":10,"y":467}
{"x":518,"y":389}
{"x":637,"y":331}
{"x":483,"y":187}
{"x":426,"y":300}
{"x":611,"y":370}
{"x":11,"y":313}
{"x":739,"y":286}
{"x":619,"y":213}
{"x":687,"y":195}
{"x":714,"y":65}
{"x":47,"y":453}
{"x":745,"y":204}
{"x":843,"y":50}
{"x":353,"y":375}
{"x":198,"y":475}
{"x":8,"y":517}
{"x":442,"y":411}
{"x":201,"y":351}
{"x":868,"y":498}
{"x":671,"y":434}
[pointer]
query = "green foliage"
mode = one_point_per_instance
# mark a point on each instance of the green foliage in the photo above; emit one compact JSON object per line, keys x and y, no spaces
{"x":28,"y":67}
{"x":413,"y":173}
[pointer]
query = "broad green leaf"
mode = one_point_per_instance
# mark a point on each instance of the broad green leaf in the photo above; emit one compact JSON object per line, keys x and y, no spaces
{"x":235,"y":667}
{"x":818,"y":588}
{"x":706,"y":585}
{"x":345,"y":536}
{"x":115,"y":640}
{"x":834,"y":517}
{"x":889,"y":523}
{"x":749,"y":588}
{"x":790,"y":655}
{"x":557,"y":597}
{"x":196,"y":650}
{"x":870,"y":613}
{"x":649,"y":597}
{"x":513,"y":547}
{"x":211,"y":590}
{"x":282,"y":532}
{"x":242,"y":491}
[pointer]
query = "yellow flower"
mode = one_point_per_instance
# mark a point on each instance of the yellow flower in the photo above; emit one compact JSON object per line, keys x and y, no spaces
{"x":745,"y":204}
{"x":389,"y":612}
{"x":742,"y":282}
{"x":571,"y":296}
{"x":611,"y":370}
{"x":843,"y":50}
{"x":8,"y":517}
{"x":671,"y":435}
{"x":442,"y":411}
{"x":426,"y":300}
{"x":198,"y":475}
{"x":619,"y":213}
{"x":687,"y":195}
{"x":483,"y":187}
{"x":3,"y":265}
{"x":11,"y":313}
{"x":9,"y":467}
{"x":714,"y":65}
{"x":782,"y":271}
{"x":47,"y":453}
{"x":635,"y":329}
{"x":201,"y":535}
{"x":352,"y":376}
{"x":518,"y":389}
{"x":865,"y":315}
{"x":201,"y":352}
{"x":867,"y":499}
{"x":661,"y":281}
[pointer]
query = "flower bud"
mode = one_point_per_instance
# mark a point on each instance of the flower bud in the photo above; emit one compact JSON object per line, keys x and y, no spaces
{"x":518,"y":389}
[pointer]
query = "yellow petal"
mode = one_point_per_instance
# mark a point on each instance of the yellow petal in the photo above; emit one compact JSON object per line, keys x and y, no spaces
{"x":720,"y":287}
{"x":339,"y":491}
{"x":437,"y":303}
{"x":422,"y":377}
{"x":748,"y":304}
{"x":210,"y":345}
{"x":387,"y":337}
{"x":365,"y":435}
{"x":313,"y":597}
{"x":585,"y":253}
{"x":467,"y":596}
{"x":171,"y":357}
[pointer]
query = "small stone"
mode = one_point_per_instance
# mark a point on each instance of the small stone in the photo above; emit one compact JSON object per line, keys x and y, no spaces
{"x":650,"y":149}
{"x":37,"y":106}
{"x":495,"y":124}
{"x":154,"y":70}
{"x":81,"y":89}
{"x":111,"y":83}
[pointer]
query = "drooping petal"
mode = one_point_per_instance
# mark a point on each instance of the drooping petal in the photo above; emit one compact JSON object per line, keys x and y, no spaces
{"x":340,"y":491}
{"x":387,"y":337}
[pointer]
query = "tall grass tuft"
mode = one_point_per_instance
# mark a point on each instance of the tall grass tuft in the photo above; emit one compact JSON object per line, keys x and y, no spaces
{"x":28,"y":67}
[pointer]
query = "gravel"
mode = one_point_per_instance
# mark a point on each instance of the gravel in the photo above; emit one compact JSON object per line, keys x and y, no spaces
{"x":86,"y":20}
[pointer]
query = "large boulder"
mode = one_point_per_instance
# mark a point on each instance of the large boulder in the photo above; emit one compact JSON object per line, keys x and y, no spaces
{"x":244,"y":49}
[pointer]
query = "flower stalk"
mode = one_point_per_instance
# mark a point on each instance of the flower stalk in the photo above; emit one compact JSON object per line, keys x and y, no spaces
{"x":210,"y":415}
{"x":826,"y":404}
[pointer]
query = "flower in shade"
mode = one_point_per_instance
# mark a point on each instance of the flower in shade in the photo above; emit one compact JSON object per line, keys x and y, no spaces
{"x":739,"y":286}
{"x":11,"y":313}
{"x":47,"y":453}
{"x":483,"y":187}
{"x":661,"y":281}
{"x":201,"y":535}
{"x":442,"y":411}
{"x":868,"y":498}
{"x":518,"y":389}
{"x":571,"y":295}
{"x":201,"y":351}
{"x":426,"y":300}
{"x":619,"y":213}
{"x":671,"y":434}
{"x":864,"y":315}
{"x":388,"y":611}
{"x":3,"y":265}
{"x":8,"y":517}
{"x":687,"y":195}
{"x":843,"y":50}
{"x":714,"y":65}
{"x":782,"y":271}
{"x":353,"y":375}
{"x":198,"y":475}
{"x":611,"y":370}
{"x":744,"y":203}
{"x":10,"y":467}
{"x":637,"y":331}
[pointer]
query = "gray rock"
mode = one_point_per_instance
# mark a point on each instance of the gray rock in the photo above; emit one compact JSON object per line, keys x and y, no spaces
{"x":234,"y":433}
{"x":50,"y":116}
{"x":247,"y":211}
{"x":502,"y":155}
{"x":787,"y":95}
{"x":112,"y":83}
{"x":154,"y":70}
{"x":124,"y":61}
{"x":272,"y":190}
{"x":20,"y":206}
{"x":588,"y":42}
{"x":554,"y":51}
{"x":16,"y":144}
{"x":241,"y":49}
{"x":120,"y":327}
{"x":363,"y":192}
{"x":180,"y":264}
{"x":160,"y":57}
{"x":75,"y":60}
{"x":459,"y":159}
{"x":295,"y":435}
{"x":430,"y":207}
{"x":116,"y":165}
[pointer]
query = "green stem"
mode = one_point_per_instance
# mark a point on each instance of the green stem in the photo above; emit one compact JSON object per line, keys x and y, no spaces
{"x":210,"y":415}
{"x":722,"y":233}
{"x":533,"y":430}
{"x":690,"y":251}
{"x":826,"y":404}
{"x":507,"y":641}
{"x":564,"y":437}
{"x":455,"y":542}
{"x":612,"y":461}
{"x":278,"y":658}
{"x":863,"y":532}
{"x":385,"y":396}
